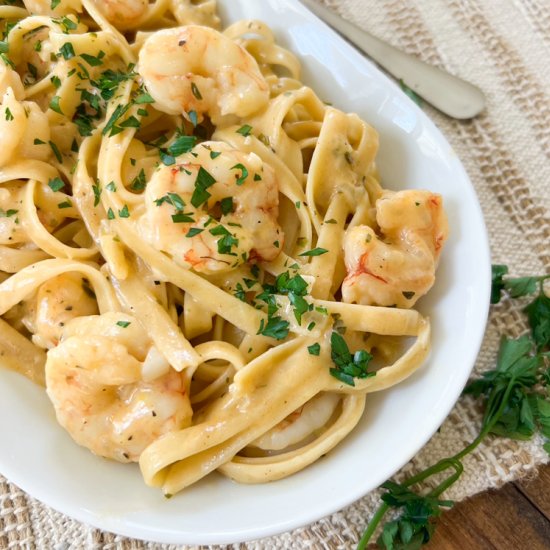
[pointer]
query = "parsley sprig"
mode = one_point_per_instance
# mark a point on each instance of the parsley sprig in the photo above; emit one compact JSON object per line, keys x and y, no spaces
{"x":516,"y":405}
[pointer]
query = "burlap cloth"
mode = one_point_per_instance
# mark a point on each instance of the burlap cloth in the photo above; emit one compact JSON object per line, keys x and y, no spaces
{"x":503,"y":46}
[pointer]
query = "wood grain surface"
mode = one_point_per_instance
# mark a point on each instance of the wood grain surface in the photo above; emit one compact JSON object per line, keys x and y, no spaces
{"x":516,"y":517}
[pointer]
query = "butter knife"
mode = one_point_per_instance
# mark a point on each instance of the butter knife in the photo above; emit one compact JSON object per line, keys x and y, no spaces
{"x":447,"y":93}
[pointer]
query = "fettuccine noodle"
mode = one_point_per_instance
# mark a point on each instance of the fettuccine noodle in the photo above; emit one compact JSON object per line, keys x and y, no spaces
{"x":197,"y":259}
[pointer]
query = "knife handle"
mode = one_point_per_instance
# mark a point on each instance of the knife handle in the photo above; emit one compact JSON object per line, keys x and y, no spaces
{"x":446,"y":92}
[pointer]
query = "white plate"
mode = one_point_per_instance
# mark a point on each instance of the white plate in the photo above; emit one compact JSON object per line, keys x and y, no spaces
{"x":39,"y":456}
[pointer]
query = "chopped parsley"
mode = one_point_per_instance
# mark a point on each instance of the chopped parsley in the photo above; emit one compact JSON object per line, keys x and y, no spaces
{"x":56,"y":152}
{"x":240,"y":292}
{"x":54,"y":104}
{"x":125,"y":212}
{"x":227,"y":205}
{"x":93,"y":61}
{"x":56,"y":184}
{"x":181,"y":217}
{"x":227,"y":241}
{"x":130,"y":122}
{"x":119,"y":111}
{"x":244,"y":173}
{"x":183,"y":144}
{"x":245,"y":130}
{"x":348,"y":366}
{"x":8,"y":213}
{"x":314,"y":349}
{"x":139,"y":183}
{"x":314,"y":252}
{"x":193,"y":232}
{"x":274,"y":328}
{"x":202,"y":183}
{"x":97,"y":194}
{"x":143,"y":98}
{"x":196,"y":91}
{"x":67,"y":51}
{"x":66,"y":24}
{"x":124,"y":324}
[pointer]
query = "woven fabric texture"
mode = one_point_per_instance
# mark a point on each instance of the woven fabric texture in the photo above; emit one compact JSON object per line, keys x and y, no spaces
{"x":503,"y":46}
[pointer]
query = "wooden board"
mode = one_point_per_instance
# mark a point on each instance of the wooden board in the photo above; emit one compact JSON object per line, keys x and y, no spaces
{"x":516,"y":517}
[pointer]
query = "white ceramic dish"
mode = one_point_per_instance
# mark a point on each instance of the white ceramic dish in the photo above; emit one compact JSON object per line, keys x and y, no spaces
{"x":39,"y":456}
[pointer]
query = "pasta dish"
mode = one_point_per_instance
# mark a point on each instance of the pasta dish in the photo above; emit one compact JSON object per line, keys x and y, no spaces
{"x":197,"y":259}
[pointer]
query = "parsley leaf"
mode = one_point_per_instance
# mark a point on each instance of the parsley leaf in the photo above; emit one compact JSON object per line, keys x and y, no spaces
{"x":56,"y":184}
{"x":144,"y":98}
{"x":202,"y":183}
{"x":193,"y":232}
{"x":139,"y":183}
{"x":93,"y":61}
{"x":56,"y":151}
{"x":314,"y":349}
{"x":521,"y":286}
{"x":245,"y":130}
{"x":227,"y":241}
{"x":274,"y":328}
{"x":183,"y":144}
{"x":54,"y":104}
{"x":196,"y":91}
{"x":67,"y":51}
{"x":538,"y":314}
{"x":348,"y":367}
{"x":97,"y":193}
{"x":181,"y":217}
{"x":314,"y":252}
{"x":244,"y":173}
{"x":227,"y":205}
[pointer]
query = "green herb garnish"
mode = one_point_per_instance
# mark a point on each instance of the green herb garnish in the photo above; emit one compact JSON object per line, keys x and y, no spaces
{"x":202,"y":183}
{"x":314,"y":252}
{"x":245,"y":130}
{"x":514,"y":398}
{"x":56,"y":184}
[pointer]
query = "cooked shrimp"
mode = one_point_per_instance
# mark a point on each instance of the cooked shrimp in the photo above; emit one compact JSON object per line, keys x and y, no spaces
{"x":24,"y":129}
{"x":123,"y":14}
{"x":57,"y":302}
{"x":215,"y":210}
{"x":300,"y":424}
{"x":95,"y":381}
{"x":44,"y":7}
{"x":199,"y":69}
{"x":399,"y":269}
